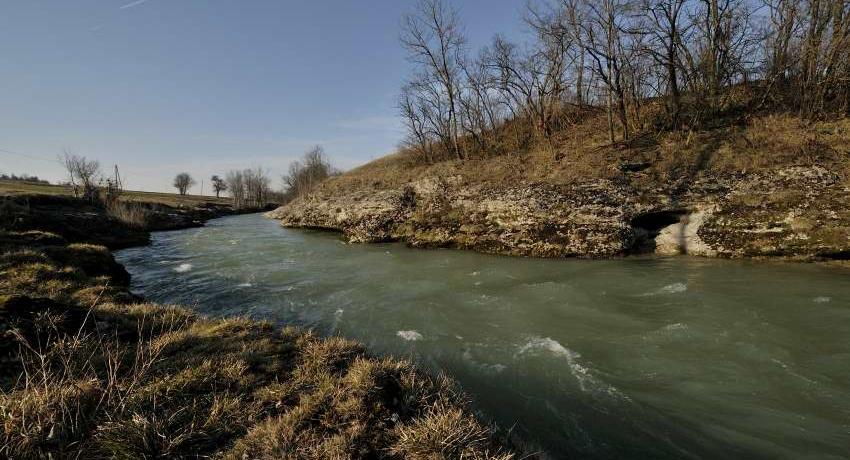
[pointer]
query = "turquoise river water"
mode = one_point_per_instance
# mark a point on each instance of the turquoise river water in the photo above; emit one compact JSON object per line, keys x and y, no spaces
{"x":630,"y":358}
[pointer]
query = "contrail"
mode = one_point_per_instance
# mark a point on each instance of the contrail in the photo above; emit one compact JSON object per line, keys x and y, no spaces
{"x":132,"y":4}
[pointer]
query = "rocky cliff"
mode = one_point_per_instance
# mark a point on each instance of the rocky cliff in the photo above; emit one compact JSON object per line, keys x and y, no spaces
{"x":798,"y":212}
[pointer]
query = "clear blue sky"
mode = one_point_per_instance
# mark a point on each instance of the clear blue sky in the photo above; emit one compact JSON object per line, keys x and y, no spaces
{"x":163,"y":86}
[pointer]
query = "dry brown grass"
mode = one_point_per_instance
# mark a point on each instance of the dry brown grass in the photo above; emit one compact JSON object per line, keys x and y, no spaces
{"x":132,"y":214}
{"x":19,"y":188}
{"x":582,"y":152}
{"x":88,"y":372}
{"x":782,"y":140}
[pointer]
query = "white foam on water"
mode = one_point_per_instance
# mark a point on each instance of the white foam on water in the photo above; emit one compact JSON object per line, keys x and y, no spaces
{"x":822,"y":299}
{"x":669,"y":332}
{"x":675,"y":288}
{"x":244,"y":285}
{"x":410,"y":336}
{"x":233,"y":241}
{"x":497,"y":368}
{"x":547,"y":344}
{"x":476,"y":273}
{"x":339,"y":312}
{"x":587,"y":382}
{"x":183,"y":268}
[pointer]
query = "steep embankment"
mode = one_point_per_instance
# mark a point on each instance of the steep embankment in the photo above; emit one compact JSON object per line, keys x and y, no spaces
{"x":774,"y":186}
{"x":89,"y":370}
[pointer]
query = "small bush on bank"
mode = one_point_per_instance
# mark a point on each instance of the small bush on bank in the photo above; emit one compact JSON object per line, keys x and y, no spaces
{"x":134,"y":215}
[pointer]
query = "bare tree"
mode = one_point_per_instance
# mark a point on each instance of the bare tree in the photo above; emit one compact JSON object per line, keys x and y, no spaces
{"x":618,"y":53}
{"x":219,"y":185}
{"x":667,"y":34}
{"x":235,"y":181}
{"x":416,"y":117}
{"x":574,"y":15}
{"x":257,"y":186}
{"x":724,"y":46}
{"x":480,"y":112}
{"x":605,"y":22}
{"x":780,"y":35}
{"x":306,"y":173}
{"x":434,"y":42}
{"x":825,"y":76}
{"x":547,"y":61}
{"x":517,"y":79}
{"x":83,"y":174}
{"x":182,"y":182}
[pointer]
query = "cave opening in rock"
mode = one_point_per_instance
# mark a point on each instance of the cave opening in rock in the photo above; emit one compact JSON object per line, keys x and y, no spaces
{"x":648,"y":225}
{"x":837,"y":255}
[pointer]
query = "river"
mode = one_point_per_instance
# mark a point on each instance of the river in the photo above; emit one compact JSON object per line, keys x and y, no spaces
{"x":630,"y":358}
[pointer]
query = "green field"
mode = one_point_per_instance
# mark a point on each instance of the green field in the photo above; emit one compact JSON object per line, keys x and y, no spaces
{"x":20,"y":188}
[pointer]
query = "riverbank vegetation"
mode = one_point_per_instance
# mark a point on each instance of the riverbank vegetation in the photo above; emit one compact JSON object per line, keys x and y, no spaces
{"x":89,"y":370}
{"x":656,"y":94}
{"x":250,"y":188}
{"x":306,"y":174}
{"x":618,"y":127}
{"x":639,"y":70}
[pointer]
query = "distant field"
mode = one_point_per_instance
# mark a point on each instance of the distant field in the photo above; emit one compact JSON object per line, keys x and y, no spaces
{"x":17,"y":188}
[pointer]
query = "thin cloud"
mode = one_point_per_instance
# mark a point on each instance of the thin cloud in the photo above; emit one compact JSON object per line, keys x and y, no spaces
{"x":378,"y":123}
{"x":132,"y":4}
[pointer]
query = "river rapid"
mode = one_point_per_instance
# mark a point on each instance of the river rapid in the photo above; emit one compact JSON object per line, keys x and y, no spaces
{"x":630,"y":358}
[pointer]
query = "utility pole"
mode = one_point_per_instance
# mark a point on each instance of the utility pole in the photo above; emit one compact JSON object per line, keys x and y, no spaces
{"x":202,"y":187}
{"x":118,"y":179}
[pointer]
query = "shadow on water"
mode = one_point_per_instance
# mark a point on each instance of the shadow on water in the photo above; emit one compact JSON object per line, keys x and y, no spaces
{"x":469,"y":316}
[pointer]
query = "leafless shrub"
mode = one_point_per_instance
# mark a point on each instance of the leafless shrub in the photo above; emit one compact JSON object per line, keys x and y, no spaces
{"x":306,"y":173}
{"x":83,"y":174}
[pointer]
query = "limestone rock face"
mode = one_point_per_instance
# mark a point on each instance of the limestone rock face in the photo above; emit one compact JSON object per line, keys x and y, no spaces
{"x":683,"y":237}
{"x":364,"y":216}
{"x":798,"y":212}
{"x":590,"y":220}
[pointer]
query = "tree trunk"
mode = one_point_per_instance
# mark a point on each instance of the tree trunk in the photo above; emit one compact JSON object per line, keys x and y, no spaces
{"x":610,"y":117}
{"x":811,"y":55}
{"x":675,"y":96}
{"x":580,"y":78}
{"x":713,"y":52}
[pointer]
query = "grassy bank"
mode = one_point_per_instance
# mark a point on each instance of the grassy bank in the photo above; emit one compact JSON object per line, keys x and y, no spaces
{"x":669,"y":161}
{"x":91,"y":371}
{"x":16,"y":188}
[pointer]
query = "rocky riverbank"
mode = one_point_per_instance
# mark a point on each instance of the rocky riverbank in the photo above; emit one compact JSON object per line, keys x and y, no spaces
{"x":795,"y":212}
{"x":83,"y":222}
